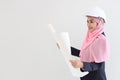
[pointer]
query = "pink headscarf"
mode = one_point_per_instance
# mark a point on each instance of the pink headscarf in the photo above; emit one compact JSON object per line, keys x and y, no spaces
{"x":95,"y":47}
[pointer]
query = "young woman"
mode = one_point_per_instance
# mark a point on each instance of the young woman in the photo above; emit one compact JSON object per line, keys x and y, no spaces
{"x":95,"y":49}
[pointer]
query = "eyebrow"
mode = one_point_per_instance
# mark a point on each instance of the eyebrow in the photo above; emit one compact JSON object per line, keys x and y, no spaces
{"x":90,"y":19}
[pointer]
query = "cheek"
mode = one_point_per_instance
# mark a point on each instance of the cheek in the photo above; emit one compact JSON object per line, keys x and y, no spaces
{"x":90,"y":25}
{"x":94,"y":25}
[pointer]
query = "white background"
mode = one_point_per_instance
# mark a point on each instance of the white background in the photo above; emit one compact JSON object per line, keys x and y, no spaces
{"x":27,"y":48}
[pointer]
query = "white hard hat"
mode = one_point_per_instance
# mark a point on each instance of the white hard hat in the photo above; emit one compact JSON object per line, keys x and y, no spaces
{"x":97,"y":12}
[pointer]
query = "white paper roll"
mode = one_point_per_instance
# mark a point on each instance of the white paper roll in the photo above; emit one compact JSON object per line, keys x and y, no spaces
{"x":65,"y":47}
{"x":66,"y":51}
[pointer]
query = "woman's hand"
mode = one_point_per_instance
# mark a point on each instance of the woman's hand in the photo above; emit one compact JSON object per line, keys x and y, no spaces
{"x":76,"y":63}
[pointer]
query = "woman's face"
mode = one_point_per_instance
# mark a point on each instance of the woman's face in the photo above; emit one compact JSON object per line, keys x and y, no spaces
{"x":91,"y":23}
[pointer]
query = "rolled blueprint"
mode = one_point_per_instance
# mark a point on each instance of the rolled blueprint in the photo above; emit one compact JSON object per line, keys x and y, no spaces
{"x":65,"y":48}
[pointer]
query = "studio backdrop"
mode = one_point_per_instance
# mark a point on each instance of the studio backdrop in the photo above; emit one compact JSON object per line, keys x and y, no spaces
{"x":27,"y":48}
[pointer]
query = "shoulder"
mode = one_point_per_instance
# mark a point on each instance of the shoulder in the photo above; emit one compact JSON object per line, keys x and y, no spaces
{"x":101,"y":39}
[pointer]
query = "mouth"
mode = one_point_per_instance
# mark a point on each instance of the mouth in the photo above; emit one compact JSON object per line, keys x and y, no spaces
{"x":90,"y":27}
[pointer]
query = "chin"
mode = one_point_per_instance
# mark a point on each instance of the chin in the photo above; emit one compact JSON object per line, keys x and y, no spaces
{"x":91,"y":30}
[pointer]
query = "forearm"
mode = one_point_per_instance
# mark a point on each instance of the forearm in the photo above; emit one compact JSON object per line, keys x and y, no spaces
{"x":91,"y":66}
{"x":75,"y":52}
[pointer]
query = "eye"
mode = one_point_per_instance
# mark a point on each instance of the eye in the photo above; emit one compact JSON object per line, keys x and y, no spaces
{"x":91,"y":21}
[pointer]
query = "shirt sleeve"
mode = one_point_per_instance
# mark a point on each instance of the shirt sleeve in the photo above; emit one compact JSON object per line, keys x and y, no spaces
{"x":75,"y":52}
{"x":91,"y":66}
